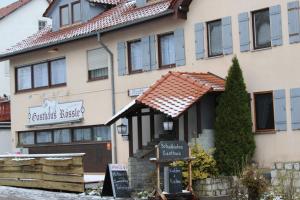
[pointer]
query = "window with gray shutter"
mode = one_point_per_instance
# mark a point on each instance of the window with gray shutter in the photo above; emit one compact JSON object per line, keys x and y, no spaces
{"x":136,"y":57}
{"x":264,"y":111}
{"x":295,"y":108}
{"x":179,"y":47}
{"x":121,"y":58}
{"x":294,"y":22}
{"x":244,"y":32}
{"x":261,"y":29}
{"x":153,"y":62}
{"x":146,"y":53}
{"x":166,"y":49}
{"x":97,"y":64}
{"x":280,"y":110}
{"x":276,"y":27}
{"x":215,"y":43}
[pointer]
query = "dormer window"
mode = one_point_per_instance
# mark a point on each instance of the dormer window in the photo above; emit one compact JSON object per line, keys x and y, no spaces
{"x":64,"y":15}
{"x":76,"y":15}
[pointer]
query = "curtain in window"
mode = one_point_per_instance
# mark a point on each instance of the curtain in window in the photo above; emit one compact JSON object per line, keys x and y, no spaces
{"x":82,"y":134}
{"x":215,"y":38}
{"x":58,"y":71}
{"x":26,"y":138}
{"x":262,"y":29}
{"x":167,"y":49}
{"x":264,"y":111}
{"x":40,"y":74}
{"x":24,"y":78}
{"x":62,"y":136}
{"x":43,"y":137}
{"x":136,"y":55}
{"x":102,"y":133}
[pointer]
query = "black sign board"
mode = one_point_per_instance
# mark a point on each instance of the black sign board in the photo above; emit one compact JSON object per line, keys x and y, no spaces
{"x":175,"y":180}
{"x":116,"y":182}
{"x":173,"y":150}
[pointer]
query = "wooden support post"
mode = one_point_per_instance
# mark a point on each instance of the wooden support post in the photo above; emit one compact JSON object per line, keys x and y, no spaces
{"x":190,"y":170}
{"x":186,"y":126}
{"x":130,"y":135}
{"x":157,"y":169}
{"x":176,"y":128}
{"x":152,"y":125}
{"x":140,"y":131}
{"x":199,"y":117}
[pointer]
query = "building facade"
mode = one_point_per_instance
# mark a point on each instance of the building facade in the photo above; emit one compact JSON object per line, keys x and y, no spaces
{"x":106,"y":60}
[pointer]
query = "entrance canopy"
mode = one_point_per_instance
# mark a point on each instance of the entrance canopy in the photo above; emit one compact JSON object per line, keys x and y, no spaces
{"x":174,"y":93}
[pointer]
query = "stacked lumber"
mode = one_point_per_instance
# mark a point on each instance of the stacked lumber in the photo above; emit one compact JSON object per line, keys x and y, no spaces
{"x":62,"y":172}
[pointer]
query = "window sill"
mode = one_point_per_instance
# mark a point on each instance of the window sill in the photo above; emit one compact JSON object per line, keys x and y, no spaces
{"x":167,"y":66}
{"x":261,"y":49}
{"x":213,"y":57}
{"x":40,"y":88}
{"x":63,"y":144}
{"x":261,"y":132}
{"x":135,"y":72}
{"x":98,"y":79}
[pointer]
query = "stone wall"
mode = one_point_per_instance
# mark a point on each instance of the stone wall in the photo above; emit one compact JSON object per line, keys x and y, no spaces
{"x":214,"y":187}
{"x":286,"y":176}
{"x":141,"y":174}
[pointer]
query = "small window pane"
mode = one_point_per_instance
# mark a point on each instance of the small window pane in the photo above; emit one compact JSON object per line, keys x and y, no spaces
{"x":76,"y":15}
{"x":98,"y":73}
{"x":136,"y":56}
{"x":62,"y":136}
{"x":42,"y":24}
{"x":58,"y":72}
{"x":82,"y":134}
{"x":64,"y":15}
{"x":102,"y":133}
{"x":215,"y":38}
{"x":97,"y":63}
{"x":167,"y":48}
{"x":24,"y":78}
{"x":26,"y":138}
{"x":264,"y":111}
{"x":262,"y":32}
{"x":40,"y":75}
{"x":44,"y":137}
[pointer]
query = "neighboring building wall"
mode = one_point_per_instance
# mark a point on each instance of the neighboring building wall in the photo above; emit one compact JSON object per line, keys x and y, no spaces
{"x":5,"y":142}
{"x":269,"y":69}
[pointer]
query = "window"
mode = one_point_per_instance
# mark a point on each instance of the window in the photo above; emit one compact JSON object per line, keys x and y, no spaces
{"x":26,"y":138}
{"x":97,"y":64}
{"x":261,"y":29}
{"x":102,"y":133}
{"x":64,"y":15}
{"x":166,"y":50}
{"x":62,"y":136}
{"x":135,"y":56}
{"x":37,"y":75}
{"x":44,"y":137}
{"x":58,"y":72}
{"x":264,"y":112}
{"x":82,"y":134}
{"x":24,"y":78}
{"x":214,"y":32}
{"x":42,"y":24}
{"x":76,"y":14}
{"x":40,"y":73}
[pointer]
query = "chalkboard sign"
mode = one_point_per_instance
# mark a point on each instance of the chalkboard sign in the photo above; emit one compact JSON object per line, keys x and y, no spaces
{"x":116,"y":182}
{"x":175,"y":180}
{"x":173,"y":150}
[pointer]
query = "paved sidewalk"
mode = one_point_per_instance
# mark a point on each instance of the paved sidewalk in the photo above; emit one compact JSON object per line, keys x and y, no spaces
{"x":10,"y":193}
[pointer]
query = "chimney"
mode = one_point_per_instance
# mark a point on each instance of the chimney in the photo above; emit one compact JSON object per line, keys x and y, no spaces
{"x":140,"y":3}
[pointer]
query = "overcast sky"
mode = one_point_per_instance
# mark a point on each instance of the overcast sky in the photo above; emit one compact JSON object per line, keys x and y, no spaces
{"x":6,"y":2}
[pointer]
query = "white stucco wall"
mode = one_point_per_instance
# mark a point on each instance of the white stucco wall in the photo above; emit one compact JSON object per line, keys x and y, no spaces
{"x":5,"y":141}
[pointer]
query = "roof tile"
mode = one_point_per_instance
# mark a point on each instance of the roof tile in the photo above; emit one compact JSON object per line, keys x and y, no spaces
{"x":5,"y":11}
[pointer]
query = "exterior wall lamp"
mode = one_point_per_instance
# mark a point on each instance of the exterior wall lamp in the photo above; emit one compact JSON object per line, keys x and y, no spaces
{"x":168,"y":125}
{"x":122,"y":130}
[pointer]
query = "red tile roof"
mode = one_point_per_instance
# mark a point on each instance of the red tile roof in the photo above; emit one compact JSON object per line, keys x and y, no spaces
{"x":174,"y":93}
{"x":5,"y":11}
{"x":177,"y":91}
{"x":112,"y":2}
{"x":122,"y":14}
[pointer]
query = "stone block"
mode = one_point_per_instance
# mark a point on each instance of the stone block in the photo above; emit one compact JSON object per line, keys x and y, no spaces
{"x":208,"y":181}
{"x":223,"y":192}
{"x":288,"y":166}
{"x":274,"y":173}
{"x":297,"y":183}
{"x":297,"y":166}
{"x":279,"y":165}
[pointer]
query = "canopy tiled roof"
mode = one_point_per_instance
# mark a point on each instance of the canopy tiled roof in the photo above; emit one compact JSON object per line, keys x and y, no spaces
{"x":112,"y":2}
{"x":5,"y":11}
{"x":175,"y":93}
{"x":122,"y":14}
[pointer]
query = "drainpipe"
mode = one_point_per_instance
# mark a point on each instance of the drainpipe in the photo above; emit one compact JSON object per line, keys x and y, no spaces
{"x":113,"y":97}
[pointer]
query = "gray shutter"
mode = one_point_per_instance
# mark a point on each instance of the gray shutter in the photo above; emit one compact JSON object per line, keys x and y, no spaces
{"x":294,"y":24}
{"x":146,"y":53}
{"x":280,"y":110}
{"x":244,"y":32}
{"x":227,"y":35}
{"x":295,"y":108}
{"x":179,"y":47}
{"x":199,"y":40}
{"x":276,"y":27}
{"x":121,"y":58}
{"x":153,"y":63}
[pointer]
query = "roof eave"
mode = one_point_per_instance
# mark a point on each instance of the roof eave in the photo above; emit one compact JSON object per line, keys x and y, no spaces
{"x":94,"y":33}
